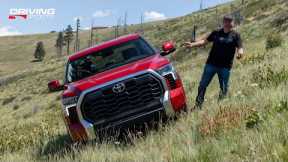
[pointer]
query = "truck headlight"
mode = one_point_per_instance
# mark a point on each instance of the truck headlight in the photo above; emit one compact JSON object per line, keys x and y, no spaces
{"x":168,"y":69}
{"x":68,"y":101}
{"x":170,"y":75}
{"x":69,"y":107}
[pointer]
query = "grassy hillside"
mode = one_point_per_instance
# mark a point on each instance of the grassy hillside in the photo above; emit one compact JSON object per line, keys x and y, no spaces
{"x":250,"y":125}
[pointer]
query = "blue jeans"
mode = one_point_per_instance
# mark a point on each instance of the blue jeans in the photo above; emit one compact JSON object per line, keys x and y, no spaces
{"x":208,"y":74}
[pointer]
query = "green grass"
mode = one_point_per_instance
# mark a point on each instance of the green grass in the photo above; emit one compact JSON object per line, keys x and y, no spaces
{"x":250,"y":125}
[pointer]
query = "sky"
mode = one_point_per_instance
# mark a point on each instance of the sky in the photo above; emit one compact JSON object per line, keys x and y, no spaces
{"x":100,"y":12}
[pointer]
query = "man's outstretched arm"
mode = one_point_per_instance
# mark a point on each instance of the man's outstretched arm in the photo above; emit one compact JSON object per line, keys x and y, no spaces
{"x":199,"y":43}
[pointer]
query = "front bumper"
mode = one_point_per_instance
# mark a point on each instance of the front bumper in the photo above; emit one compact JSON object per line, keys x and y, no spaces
{"x":172,"y":102}
{"x":132,"y":122}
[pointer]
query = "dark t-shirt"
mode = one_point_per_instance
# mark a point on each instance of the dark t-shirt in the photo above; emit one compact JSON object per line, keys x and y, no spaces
{"x":224,"y":48}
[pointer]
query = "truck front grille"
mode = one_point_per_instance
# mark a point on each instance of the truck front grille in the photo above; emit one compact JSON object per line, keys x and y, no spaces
{"x":104,"y":106}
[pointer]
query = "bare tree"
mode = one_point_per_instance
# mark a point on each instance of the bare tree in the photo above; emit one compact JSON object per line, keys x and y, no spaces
{"x":125,"y":31}
{"x":77,"y":41}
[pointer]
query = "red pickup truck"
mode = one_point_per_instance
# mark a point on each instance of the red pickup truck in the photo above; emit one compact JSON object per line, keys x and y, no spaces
{"x":118,"y":84}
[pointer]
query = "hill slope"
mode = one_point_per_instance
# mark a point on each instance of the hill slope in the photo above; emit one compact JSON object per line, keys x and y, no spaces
{"x":251,"y":125}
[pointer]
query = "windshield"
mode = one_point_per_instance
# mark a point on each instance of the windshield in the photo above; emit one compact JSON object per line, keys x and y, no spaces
{"x":108,"y":58}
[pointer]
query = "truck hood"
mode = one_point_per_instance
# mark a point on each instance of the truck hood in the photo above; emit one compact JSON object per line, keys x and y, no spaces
{"x":153,"y":62}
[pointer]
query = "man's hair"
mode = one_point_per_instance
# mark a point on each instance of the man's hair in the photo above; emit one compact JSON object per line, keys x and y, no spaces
{"x":228,"y":18}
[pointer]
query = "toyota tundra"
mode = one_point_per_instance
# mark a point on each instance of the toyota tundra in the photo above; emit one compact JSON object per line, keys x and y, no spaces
{"x":118,"y":84}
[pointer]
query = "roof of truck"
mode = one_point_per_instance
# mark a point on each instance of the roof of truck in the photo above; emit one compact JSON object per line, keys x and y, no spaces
{"x":103,"y":45}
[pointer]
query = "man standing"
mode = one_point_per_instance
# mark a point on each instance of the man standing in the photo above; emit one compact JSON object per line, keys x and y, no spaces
{"x":226,"y":42}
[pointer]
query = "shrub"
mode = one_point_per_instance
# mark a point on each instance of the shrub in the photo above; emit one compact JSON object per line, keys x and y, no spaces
{"x":8,"y":100}
{"x":282,"y":106}
{"x":273,"y":40}
{"x":253,"y":120}
{"x":255,"y":58}
{"x":280,"y":21}
{"x":226,"y":118}
{"x":16,"y":107}
{"x":268,"y":77}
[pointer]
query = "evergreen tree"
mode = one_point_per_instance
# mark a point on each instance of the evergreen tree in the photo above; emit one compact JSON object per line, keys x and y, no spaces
{"x":60,"y":43}
{"x":39,"y":53}
{"x":68,"y":37}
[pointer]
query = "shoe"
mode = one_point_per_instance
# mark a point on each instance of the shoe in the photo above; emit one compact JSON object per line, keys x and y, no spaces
{"x":196,"y":107}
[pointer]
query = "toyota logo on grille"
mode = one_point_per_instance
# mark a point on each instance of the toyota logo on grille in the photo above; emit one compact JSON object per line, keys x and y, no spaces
{"x":119,"y":88}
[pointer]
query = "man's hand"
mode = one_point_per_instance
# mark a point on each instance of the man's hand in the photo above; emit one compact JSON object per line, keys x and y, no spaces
{"x":187,"y":45}
{"x":239,"y":56}
{"x":240,"y":53}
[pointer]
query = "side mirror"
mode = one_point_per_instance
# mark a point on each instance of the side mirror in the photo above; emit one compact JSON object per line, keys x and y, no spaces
{"x":167,"y":48}
{"x":55,"y":86}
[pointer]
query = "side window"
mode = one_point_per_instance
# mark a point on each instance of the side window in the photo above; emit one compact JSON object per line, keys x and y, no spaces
{"x":71,"y":72}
